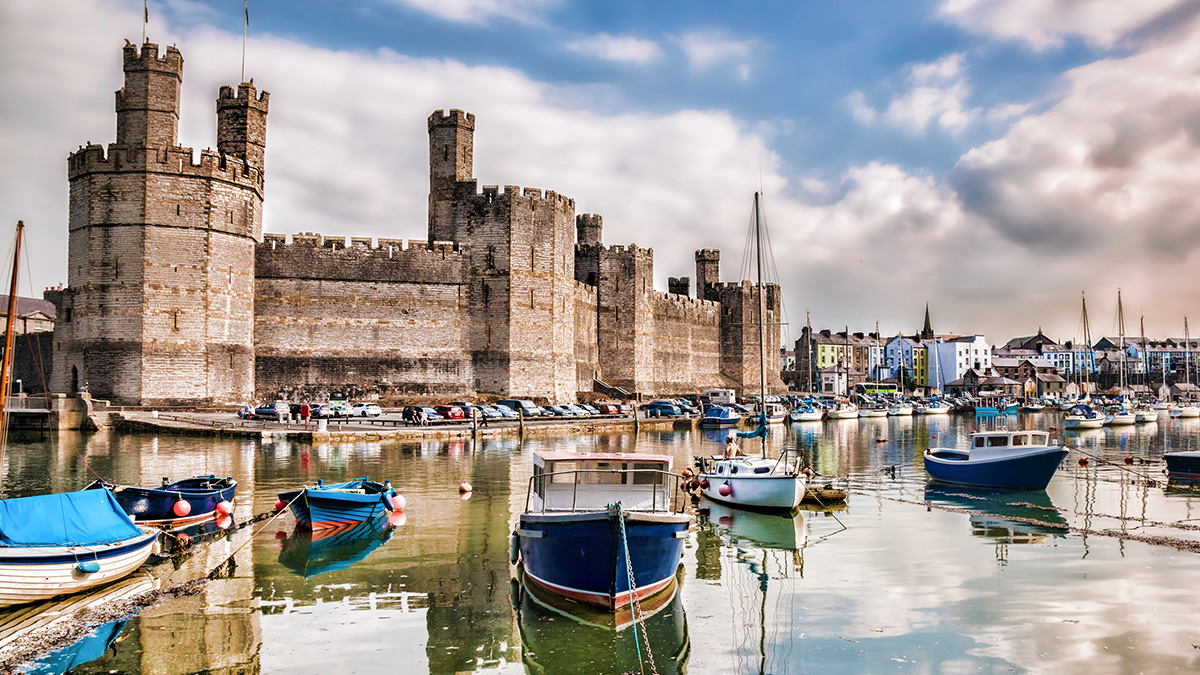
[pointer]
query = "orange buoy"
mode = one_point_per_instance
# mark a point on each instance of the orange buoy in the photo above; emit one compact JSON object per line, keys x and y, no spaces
{"x":1053,"y":429}
{"x":1083,"y":461}
{"x":880,"y":439}
{"x":1128,"y":460}
{"x":464,"y":487}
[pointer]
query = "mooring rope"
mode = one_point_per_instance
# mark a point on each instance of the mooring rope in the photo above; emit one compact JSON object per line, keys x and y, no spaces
{"x":635,"y":605}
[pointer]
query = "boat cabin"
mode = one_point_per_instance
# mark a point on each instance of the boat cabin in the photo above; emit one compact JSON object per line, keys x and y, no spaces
{"x":1009,"y":439}
{"x":575,"y":481}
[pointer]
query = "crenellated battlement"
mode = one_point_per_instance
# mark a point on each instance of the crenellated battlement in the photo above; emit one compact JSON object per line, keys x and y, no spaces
{"x":515,"y":195}
{"x":310,"y":255}
{"x":148,"y":59}
{"x":685,"y":301}
{"x":92,"y":158}
{"x":454,"y":118}
{"x":245,"y":96}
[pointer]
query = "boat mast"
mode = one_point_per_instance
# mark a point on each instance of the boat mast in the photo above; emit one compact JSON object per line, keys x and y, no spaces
{"x":811,"y":354}
{"x":1121,"y":339}
{"x":762,"y":330}
{"x":5,"y":376}
{"x":1087,"y":343}
{"x":1145,"y":356}
{"x":1187,"y":357}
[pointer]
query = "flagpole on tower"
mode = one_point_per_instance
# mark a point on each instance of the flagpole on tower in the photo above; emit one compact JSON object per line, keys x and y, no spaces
{"x":245,"y":26}
{"x":145,"y":18}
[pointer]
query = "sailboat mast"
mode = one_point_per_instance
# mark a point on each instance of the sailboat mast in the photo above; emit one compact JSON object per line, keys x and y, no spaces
{"x":1187,"y":355}
{"x":1087,"y":344}
{"x":1145,"y":356}
{"x":8,"y":336}
{"x":762,"y":330}
{"x":811,"y":354}
{"x":1121,"y":339}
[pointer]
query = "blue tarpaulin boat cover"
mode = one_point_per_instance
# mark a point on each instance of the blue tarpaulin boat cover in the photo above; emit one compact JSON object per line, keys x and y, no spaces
{"x":83,"y":517}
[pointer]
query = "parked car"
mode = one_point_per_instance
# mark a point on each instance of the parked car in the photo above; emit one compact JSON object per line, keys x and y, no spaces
{"x":609,"y":408}
{"x":662,"y":408}
{"x":366,"y":409}
{"x":480,"y":411}
{"x":577,"y":410}
{"x":686,"y":407}
{"x":506,"y":411}
{"x":451,"y":412}
{"x":409,"y":414}
{"x":521,"y":405}
{"x":558,"y":411}
{"x":338,"y":408}
{"x":590,"y":410}
{"x":271,"y":410}
{"x":318,"y":410}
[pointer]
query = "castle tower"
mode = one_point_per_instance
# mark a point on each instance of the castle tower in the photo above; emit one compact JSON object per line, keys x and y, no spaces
{"x":451,"y":148}
{"x":159,"y":303}
{"x":708,"y":273}
{"x":587,"y":228}
{"x":625,"y":320}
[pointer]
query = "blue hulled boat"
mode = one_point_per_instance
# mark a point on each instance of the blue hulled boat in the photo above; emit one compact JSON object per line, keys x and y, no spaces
{"x":1017,"y":460}
{"x":1183,"y":467}
{"x":339,"y":505}
{"x":601,"y":528}
{"x":720,"y":416}
{"x":157,"y":506}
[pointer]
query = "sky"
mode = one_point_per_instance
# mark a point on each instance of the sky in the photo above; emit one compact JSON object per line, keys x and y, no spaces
{"x":995,"y":159}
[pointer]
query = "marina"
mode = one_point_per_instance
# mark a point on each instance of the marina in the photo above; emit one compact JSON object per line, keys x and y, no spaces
{"x":906,"y":575}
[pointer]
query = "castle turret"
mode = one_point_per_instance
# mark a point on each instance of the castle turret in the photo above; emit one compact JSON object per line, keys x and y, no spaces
{"x":242,"y":124}
{"x":679,"y":285}
{"x":708,"y":272}
{"x":451,"y":147}
{"x":148,"y":104}
{"x":588,"y":228}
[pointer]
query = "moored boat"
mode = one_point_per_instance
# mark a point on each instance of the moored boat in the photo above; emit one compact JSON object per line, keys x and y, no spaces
{"x":312,"y":552}
{"x":1185,"y":410}
{"x":752,"y":481}
{"x":933,"y":407}
{"x":806,"y":413}
{"x":1082,"y":416}
{"x":1145,"y":414}
{"x":601,"y":528}
{"x":720,"y":416}
{"x":842,"y":410}
{"x":1183,"y":467}
{"x":160,"y":506}
{"x":900,"y":409}
{"x":339,"y":505}
{"x":1022,"y":460}
{"x":64,"y":543}
{"x":1119,"y":415}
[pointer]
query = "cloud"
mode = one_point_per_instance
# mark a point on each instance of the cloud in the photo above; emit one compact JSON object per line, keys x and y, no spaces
{"x":481,"y":11}
{"x":619,"y":48}
{"x":710,"y":48}
{"x":1046,"y":23}
{"x":936,"y":93}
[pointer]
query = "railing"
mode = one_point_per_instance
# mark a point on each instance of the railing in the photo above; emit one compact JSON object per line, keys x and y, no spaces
{"x":673,"y":503}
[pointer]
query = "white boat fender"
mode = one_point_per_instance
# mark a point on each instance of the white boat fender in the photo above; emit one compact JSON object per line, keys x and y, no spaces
{"x":514,"y":547}
{"x":88,"y":567}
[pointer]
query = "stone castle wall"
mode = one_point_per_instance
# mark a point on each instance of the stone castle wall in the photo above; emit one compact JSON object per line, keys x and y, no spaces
{"x":587,"y":356}
{"x":686,"y":343}
{"x":388,"y":317}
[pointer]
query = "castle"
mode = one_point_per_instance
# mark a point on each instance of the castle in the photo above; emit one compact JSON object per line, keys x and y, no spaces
{"x":176,"y":296}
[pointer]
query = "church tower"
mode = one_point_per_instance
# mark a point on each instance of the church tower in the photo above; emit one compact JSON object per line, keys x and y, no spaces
{"x":159,"y":303}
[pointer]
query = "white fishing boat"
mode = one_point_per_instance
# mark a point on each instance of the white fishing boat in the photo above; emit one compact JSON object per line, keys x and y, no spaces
{"x":1145,"y":415}
{"x":56,"y":544}
{"x":1082,"y":416}
{"x":806,"y":413}
{"x":758,"y":482}
{"x":842,"y":410}
{"x":900,"y":410}
{"x":1185,"y":411}
{"x":777,"y":413}
{"x":1119,"y":416}
{"x":934,"y":407}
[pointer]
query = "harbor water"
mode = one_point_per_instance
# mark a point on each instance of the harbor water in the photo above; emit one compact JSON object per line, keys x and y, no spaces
{"x":1096,"y":574}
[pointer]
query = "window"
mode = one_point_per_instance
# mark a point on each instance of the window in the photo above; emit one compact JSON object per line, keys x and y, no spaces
{"x":997,"y":441}
{"x":1020,"y":440}
{"x":647,"y":477}
{"x":979,"y":442}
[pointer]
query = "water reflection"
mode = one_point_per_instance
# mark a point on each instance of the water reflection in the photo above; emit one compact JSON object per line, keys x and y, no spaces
{"x":310,"y":553}
{"x":1010,"y":517}
{"x":88,"y":649}
{"x":562,"y":636}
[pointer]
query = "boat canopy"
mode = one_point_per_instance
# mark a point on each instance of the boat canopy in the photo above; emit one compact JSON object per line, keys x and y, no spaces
{"x":82,"y":518}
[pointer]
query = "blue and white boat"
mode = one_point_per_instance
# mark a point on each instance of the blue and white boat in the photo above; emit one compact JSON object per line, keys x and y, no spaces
{"x":157,"y":506}
{"x":1082,"y":416}
{"x":339,"y":505}
{"x":63,"y":543}
{"x":1015,"y":460}
{"x":806,"y":412}
{"x":601,"y":528}
{"x":720,"y":416}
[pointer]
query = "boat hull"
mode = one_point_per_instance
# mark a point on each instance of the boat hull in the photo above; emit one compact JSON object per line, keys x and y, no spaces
{"x":581,"y":556}
{"x":1185,"y":413}
{"x":1183,"y":467}
{"x":29,"y":574}
{"x":1083,"y":422}
{"x":1028,"y":470}
{"x":155,"y":506}
{"x":765,"y":491}
{"x":717,"y":422}
{"x":320,"y":509}
{"x":808,"y":416}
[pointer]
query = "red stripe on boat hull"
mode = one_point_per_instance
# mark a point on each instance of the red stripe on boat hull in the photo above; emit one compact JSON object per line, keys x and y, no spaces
{"x":602,"y":599}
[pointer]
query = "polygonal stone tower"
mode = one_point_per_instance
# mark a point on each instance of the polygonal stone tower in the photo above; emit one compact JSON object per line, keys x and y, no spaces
{"x":159,"y":304}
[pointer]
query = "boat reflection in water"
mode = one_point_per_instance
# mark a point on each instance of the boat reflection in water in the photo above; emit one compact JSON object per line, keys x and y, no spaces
{"x":559,"y":635}
{"x":26,"y":620}
{"x":309,"y":553}
{"x":1006,"y":516}
{"x":767,"y":530}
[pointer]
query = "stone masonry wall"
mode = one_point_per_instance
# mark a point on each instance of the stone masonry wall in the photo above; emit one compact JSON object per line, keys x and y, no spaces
{"x":740,"y":336}
{"x":387,"y":318}
{"x":587,"y":362}
{"x":686,"y":343}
